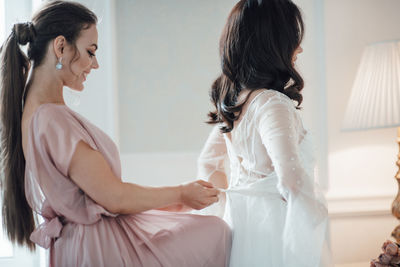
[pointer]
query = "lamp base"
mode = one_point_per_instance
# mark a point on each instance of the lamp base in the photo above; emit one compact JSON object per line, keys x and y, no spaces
{"x":396,"y":234}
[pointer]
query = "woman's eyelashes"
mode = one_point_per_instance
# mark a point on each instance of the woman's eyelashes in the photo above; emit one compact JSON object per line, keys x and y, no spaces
{"x":91,"y":54}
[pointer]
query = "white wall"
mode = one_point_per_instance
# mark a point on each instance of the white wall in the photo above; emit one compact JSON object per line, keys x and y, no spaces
{"x":311,"y":64}
{"x":358,"y":238}
{"x":168,"y":59}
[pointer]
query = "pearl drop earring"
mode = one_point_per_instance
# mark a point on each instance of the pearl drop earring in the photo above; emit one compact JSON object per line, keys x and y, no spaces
{"x":59,"y":64}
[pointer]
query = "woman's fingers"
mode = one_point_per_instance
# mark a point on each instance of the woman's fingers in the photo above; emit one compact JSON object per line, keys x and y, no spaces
{"x":199,"y":206}
{"x":213,"y":191}
{"x":214,"y":199}
{"x":199,"y":194}
{"x":205,"y":184}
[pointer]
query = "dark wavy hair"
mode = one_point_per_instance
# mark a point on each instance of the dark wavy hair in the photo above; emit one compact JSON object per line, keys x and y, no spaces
{"x":54,"y":19}
{"x":256,"y":50}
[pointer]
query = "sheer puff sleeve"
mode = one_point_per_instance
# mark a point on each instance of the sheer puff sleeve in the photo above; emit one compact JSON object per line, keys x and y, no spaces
{"x":211,"y":165}
{"x":305,"y":229}
{"x":213,"y":155}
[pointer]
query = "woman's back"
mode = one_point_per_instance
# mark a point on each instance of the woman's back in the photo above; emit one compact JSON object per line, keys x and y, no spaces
{"x":53,"y":132}
{"x":249,"y":157}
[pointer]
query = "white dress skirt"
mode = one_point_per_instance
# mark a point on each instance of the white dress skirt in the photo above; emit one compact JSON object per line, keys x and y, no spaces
{"x":277,"y":214}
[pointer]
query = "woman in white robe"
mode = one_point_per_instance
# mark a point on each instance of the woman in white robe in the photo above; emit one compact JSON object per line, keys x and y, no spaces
{"x":271,"y":201}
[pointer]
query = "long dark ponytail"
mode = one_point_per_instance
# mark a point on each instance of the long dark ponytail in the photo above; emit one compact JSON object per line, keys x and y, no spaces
{"x":55,"y":18}
{"x":14,"y":70}
{"x":256,"y":49}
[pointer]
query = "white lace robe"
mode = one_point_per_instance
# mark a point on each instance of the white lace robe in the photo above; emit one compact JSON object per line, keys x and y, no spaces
{"x":273,"y":204}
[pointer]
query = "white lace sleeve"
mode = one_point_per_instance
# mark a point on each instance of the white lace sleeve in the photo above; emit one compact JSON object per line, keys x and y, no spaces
{"x":210,"y":167}
{"x":212,"y":156}
{"x":306,"y":221}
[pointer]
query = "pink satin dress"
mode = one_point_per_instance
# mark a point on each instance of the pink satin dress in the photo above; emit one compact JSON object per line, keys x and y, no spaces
{"x":80,"y":232}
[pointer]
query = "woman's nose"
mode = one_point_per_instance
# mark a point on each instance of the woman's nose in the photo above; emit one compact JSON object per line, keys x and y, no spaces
{"x":95,"y":64}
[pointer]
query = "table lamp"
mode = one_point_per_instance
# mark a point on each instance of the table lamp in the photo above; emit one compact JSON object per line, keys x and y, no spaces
{"x":375,"y":99}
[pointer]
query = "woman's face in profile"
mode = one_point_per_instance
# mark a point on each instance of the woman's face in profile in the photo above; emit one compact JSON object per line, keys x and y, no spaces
{"x":86,"y":46}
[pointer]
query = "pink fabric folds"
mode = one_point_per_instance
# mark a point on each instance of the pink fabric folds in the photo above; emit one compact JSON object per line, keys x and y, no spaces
{"x":46,"y":232}
{"x":79,"y":232}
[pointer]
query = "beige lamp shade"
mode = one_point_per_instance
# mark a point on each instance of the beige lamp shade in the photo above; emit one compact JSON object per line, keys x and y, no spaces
{"x":375,"y":96}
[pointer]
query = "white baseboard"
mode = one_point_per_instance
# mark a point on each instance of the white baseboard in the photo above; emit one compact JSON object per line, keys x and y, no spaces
{"x":346,"y":206}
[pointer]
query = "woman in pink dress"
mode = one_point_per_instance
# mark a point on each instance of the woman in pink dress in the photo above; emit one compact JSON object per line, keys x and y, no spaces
{"x":59,"y":165}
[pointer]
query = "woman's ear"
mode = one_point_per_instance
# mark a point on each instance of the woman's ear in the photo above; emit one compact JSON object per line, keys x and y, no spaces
{"x":58,"y":46}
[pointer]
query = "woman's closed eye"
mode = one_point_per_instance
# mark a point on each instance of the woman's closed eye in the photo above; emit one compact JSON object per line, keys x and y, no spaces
{"x":91,"y":54}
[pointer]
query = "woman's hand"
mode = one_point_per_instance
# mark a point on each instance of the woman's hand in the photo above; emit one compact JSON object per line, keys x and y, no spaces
{"x":198,"y":195}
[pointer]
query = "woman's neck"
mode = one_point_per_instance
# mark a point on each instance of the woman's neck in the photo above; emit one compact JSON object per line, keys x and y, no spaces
{"x":44,"y":87}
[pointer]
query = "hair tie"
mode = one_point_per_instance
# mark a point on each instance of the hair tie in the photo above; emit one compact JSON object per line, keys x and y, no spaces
{"x":24,"y":32}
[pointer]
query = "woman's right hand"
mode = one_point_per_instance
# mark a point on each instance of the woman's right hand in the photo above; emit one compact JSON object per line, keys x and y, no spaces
{"x":199,"y":194}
